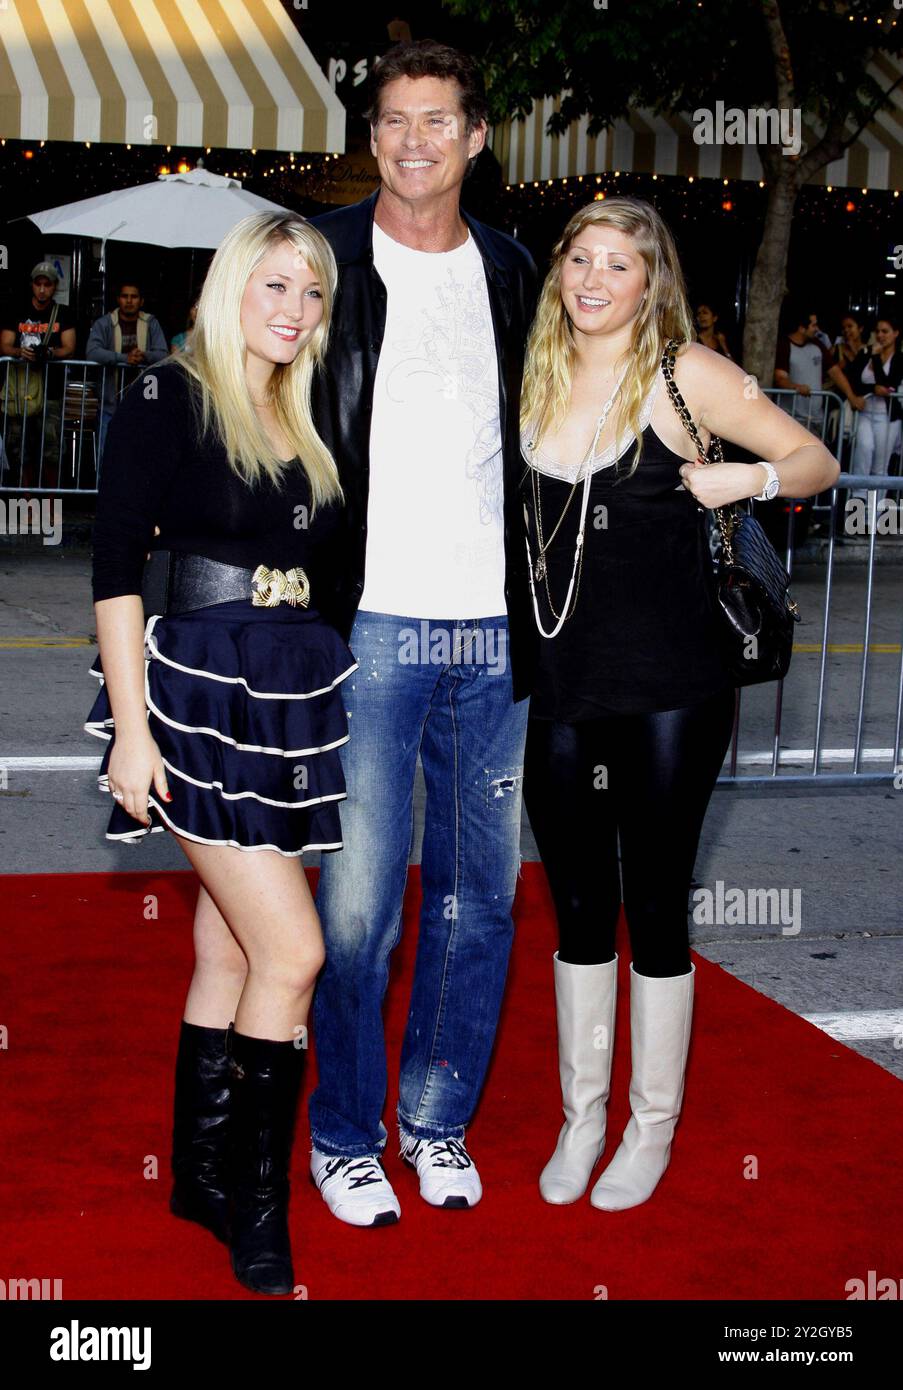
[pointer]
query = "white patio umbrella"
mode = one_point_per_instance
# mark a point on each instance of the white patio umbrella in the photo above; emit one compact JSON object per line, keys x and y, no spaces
{"x":194,"y":210}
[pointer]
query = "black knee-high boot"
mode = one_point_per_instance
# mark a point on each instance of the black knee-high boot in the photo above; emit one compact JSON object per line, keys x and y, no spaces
{"x":200,"y":1134}
{"x":266,"y":1080}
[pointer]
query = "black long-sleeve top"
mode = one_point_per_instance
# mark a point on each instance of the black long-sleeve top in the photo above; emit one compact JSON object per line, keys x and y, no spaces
{"x":158,"y":470}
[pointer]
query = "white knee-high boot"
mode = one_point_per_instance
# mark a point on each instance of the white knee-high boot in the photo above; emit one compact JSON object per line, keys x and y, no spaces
{"x":661,"y":1013}
{"x":585,"y":997}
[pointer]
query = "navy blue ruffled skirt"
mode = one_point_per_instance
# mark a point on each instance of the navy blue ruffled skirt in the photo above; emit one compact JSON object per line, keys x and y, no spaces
{"x":246,"y":707}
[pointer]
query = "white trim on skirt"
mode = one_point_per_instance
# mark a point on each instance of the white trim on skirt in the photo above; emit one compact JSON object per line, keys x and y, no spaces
{"x":99,"y":729}
{"x":139,"y":832}
{"x":237,"y":680}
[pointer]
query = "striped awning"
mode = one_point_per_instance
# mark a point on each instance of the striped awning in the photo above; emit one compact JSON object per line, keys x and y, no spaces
{"x":231,"y":74}
{"x":650,"y":144}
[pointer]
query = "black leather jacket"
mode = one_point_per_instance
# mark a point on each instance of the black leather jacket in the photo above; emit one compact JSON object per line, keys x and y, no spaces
{"x":343,"y":396}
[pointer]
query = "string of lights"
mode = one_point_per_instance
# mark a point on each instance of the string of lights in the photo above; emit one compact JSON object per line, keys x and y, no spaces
{"x":281,"y":176}
{"x":737,"y":197}
{"x":43,"y":173}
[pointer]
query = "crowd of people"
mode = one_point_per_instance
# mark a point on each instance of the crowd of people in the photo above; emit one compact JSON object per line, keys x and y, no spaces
{"x":41,"y":330}
{"x":862,"y":363}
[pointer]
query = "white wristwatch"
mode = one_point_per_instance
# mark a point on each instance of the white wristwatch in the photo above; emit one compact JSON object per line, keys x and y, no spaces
{"x":772,"y":484}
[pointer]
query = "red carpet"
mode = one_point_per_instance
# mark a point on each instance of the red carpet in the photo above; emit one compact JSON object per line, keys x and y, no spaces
{"x":92,"y":998}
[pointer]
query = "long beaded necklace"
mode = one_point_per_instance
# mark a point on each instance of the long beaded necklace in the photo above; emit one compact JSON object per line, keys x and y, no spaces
{"x":540,"y":570}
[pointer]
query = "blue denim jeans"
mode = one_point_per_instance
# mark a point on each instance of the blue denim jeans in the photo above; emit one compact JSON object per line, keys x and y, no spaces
{"x":442,"y":688}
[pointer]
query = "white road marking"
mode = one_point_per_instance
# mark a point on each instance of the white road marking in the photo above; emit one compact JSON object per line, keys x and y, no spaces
{"x":859,"y":1025}
{"x":788,"y":757}
{"x":38,"y":763}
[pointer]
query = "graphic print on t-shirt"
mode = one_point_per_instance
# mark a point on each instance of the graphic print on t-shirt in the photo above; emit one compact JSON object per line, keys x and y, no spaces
{"x":32,"y":330}
{"x":30,"y":324}
{"x":452,"y":345}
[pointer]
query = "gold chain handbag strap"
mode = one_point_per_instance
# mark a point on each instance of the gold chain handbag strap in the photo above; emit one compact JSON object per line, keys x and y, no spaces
{"x":726,"y":517}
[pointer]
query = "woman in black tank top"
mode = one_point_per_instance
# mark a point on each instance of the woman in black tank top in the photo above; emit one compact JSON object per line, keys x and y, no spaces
{"x":632,"y":707}
{"x":642,"y":635}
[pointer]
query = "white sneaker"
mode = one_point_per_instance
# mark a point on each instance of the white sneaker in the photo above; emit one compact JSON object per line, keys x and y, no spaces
{"x":356,"y":1190}
{"x":448,"y":1174}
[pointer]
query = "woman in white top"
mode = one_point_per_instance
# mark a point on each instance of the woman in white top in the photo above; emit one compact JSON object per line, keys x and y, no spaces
{"x":876,"y":379}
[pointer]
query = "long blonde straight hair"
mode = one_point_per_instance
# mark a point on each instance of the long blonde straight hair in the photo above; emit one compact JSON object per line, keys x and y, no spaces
{"x":551,"y":352}
{"x":215,"y":356}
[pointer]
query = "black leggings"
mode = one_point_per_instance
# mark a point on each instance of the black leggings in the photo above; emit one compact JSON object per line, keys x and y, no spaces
{"x":646,"y":778}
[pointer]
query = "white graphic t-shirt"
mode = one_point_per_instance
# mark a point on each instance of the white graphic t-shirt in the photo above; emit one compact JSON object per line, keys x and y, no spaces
{"x":435,"y":545}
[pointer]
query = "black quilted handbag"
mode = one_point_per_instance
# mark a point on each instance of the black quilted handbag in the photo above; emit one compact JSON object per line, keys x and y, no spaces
{"x":756,"y":613}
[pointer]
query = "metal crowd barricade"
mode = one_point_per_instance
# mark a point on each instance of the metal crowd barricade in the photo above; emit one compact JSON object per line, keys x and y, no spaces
{"x":50,"y":424}
{"x":882,"y":762}
{"x":827,"y":415}
{"x":821,"y":413}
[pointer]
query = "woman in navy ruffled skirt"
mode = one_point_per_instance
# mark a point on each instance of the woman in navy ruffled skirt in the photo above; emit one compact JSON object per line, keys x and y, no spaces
{"x":219,"y":523}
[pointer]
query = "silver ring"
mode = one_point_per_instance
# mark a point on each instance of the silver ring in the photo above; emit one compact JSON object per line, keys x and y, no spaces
{"x":118,"y":796}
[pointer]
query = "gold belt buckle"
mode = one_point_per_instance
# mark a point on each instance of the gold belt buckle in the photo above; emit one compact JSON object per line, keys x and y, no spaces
{"x":269,"y":588}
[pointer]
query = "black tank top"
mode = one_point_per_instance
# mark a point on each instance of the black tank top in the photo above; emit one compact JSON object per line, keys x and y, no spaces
{"x":643,"y":634}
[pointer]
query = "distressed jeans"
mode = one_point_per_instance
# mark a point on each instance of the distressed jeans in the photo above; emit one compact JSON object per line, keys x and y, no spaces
{"x":443,"y":689}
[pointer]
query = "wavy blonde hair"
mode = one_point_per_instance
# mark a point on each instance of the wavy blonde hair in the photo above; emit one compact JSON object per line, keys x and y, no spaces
{"x":665,"y":313}
{"x":215,"y":356}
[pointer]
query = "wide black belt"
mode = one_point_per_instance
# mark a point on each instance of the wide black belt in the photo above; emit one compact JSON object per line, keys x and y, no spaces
{"x":176,"y":582}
